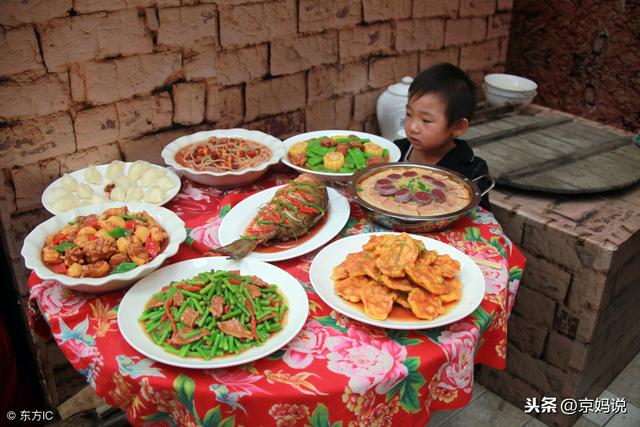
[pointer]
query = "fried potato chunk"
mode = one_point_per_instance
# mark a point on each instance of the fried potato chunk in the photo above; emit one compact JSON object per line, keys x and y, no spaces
{"x":456,"y":292}
{"x":396,"y":254}
{"x":378,"y":301}
{"x":448,"y":267}
{"x":351,"y":287}
{"x":424,"y":304}
{"x":402,"y":284}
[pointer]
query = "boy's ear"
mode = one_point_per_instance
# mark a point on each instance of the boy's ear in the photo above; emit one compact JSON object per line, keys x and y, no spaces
{"x":460,"y":127}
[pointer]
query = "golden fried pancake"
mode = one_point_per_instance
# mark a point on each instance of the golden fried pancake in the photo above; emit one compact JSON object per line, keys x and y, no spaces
{"x":448,"y":267}
{"x":427,"y":276}
{"x":456,"y":287}
{"x":401,"y":298}
{"x":340,"y":272}
{"x":375,"y":241}
{"x":424,"y":304}
{"x":358,"y":263}
{"x":396,"y":284}
{"x":351,"y":287}
{"x":378,"y":301}
{"x":396,"y":254}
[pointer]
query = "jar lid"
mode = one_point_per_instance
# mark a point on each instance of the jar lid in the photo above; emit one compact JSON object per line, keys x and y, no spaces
{"x":401,"y":88}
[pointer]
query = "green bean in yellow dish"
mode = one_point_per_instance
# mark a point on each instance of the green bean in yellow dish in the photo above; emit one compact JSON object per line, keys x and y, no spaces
{"x":214,"y":314}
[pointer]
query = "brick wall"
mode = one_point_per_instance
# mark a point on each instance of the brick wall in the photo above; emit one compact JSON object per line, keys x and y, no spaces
{"x":86,"y":81}
{"x":584,"y":55}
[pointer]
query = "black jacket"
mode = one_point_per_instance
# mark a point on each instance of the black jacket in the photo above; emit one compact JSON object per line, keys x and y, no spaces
{"x":460,"y":159}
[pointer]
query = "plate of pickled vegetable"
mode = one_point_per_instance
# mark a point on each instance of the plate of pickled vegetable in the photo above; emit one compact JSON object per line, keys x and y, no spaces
{"x":335,"y":155}
{"x":213,"y":312}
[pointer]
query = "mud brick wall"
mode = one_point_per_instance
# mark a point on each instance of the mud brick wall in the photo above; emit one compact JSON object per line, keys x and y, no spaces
{"x":90,"y":81}
{"x":585,"y":55}
{"x":574,"y":325}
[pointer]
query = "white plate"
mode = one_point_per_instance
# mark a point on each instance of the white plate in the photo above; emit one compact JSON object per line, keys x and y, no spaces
{"x":132,"y":307}
{"x":34,"y":242}
{"x":394,"y":151}
{"x":98,"y":188}
{"x":226,"y":179}
{"x":236,"y":221}
{"x":470,"y":276}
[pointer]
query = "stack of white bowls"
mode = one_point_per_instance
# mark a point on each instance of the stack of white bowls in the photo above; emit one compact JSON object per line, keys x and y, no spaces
{"x":507,"y":89}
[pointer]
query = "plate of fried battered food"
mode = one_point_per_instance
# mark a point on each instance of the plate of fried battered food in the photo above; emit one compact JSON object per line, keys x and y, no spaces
{"x":397,"y":280}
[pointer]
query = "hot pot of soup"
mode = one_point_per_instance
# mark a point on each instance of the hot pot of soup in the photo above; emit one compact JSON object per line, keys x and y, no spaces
{"x":414,"y":198}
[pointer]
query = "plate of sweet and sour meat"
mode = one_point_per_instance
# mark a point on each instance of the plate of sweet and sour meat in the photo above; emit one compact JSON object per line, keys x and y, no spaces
{"x":397,"y":280}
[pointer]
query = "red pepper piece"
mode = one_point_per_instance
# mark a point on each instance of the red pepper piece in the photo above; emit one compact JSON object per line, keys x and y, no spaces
{"x":152,"y":247}
{"x":130,"y":225}
{"x":253,"y":319}
{"x":93,"y":224}
{"x":190,"y":288}
{"x":234,"y":281}
{"x":168,"y":314}
{"x":59,"y":268}
{"x":59,"y":238}
{"x":91,"y":237}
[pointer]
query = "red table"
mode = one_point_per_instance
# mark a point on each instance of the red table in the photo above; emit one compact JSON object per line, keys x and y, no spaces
{"x":335,"y":370}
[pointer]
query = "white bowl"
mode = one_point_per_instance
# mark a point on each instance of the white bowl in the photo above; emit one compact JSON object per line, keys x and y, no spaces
{"x":33,"y":244}
{"x":229,"y":178}
{"x":501,"y":100}
{"x":394,"y":152}
{"x":510,"y":83}
{"x":507,"y":93}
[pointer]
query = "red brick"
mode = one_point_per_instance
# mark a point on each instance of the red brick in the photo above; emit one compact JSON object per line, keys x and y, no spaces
{"x":504,"y":49}
{"x":97,"y":126}
{"x":257,"y":23}
{"x":449,"y":54}
{"x":477,"y":8}
{"x":142,"y":115}
{"x":46,"y":95}
{"x":188,"y":103}
{"x":201,"y":63}
{"x":19,"y":51}
{"x":185,"y":26}
{"x":480,"y":56}
{"x":275,"y":96}
{"x":149,"y":147}
{"x":110,"y":81}
{"x":16,"y":12}
{"x":364,"y":40}
{"x":528,"y":337}
{"x":499,"y":25}
{"x":151,"y":15}
{"x":388,"y":70}
{"x":419,"y":34}
{"x":534,"y":306}
{"x":243,"y":65}
{"x":463,"y":31}
{"x":91,"y":156}
{"x":329,"y":14}
{"x":383,"y":10}
{"x":30,"y":181}
{"x":225,"y":106}
{"x":30,"y":141}
{"x":290,"y":55}
{"x":87,"y":37}
{"x":76,"y":83}
{"x":433,"y":8}
{"x":504,"y":5}
{"x":324,"y":82}
{"x":90,"y":6}
{"x":329,"y":114}
{"x":364,"y":104}
{"x":281,"y":126}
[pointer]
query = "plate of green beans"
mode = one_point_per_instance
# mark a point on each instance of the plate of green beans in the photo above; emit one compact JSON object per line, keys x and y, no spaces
{"x":213,"y":312}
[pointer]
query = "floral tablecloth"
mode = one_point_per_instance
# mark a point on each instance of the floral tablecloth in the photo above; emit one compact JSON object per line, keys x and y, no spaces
{"x":335,"y":372}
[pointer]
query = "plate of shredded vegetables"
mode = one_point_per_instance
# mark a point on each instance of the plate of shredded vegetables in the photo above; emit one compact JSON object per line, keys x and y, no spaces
{"x":213,"y":312}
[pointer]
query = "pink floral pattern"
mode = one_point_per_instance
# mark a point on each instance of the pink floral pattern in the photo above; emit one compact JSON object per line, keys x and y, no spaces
{"x":55,"y":299}
{"x":368,"y":361}
{"x":310,"y":344}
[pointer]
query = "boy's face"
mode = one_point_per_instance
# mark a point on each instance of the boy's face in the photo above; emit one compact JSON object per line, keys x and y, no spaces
{"x":426,"y":124}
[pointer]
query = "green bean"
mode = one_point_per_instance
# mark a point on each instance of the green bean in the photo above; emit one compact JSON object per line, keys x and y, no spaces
{"x":184,"y":350}
{"x":191,"y":294}
{"x":192,"y":334}
{"x":225,"y":344}
{"x":274,"y":328}
{"x":171,"y":349}
{"x":183,"y":307}
{"x":230,"y":314}
{"x":206,"y":289}
{"x":216,"y":343}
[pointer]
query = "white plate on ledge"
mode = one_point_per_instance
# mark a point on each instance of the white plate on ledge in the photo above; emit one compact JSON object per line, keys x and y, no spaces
{"x":238,"y":218}
{"x":132,"y":306}
{"x":98,"y":189}
{"x":470,"y":276}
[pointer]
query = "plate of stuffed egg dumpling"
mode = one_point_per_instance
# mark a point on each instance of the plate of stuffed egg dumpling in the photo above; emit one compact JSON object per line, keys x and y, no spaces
{"x":117,"y":181}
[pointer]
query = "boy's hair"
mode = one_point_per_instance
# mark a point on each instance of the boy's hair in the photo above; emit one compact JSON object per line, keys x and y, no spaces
{"x":455,"y":88}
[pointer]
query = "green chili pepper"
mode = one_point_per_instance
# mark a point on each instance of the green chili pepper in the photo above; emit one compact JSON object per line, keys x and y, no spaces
{"x":64,"y":245}
{"x":124,"y":267}
{"x":139,"y":218}
{"x":119,"y":232}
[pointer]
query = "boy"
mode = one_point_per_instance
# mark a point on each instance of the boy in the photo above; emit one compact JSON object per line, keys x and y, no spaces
{"x":441,"y":104}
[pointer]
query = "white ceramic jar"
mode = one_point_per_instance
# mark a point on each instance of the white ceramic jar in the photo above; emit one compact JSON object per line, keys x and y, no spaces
{"x":391,"y":106}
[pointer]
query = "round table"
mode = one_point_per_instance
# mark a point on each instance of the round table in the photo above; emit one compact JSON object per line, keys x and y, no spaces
{"x":336,"y":370}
